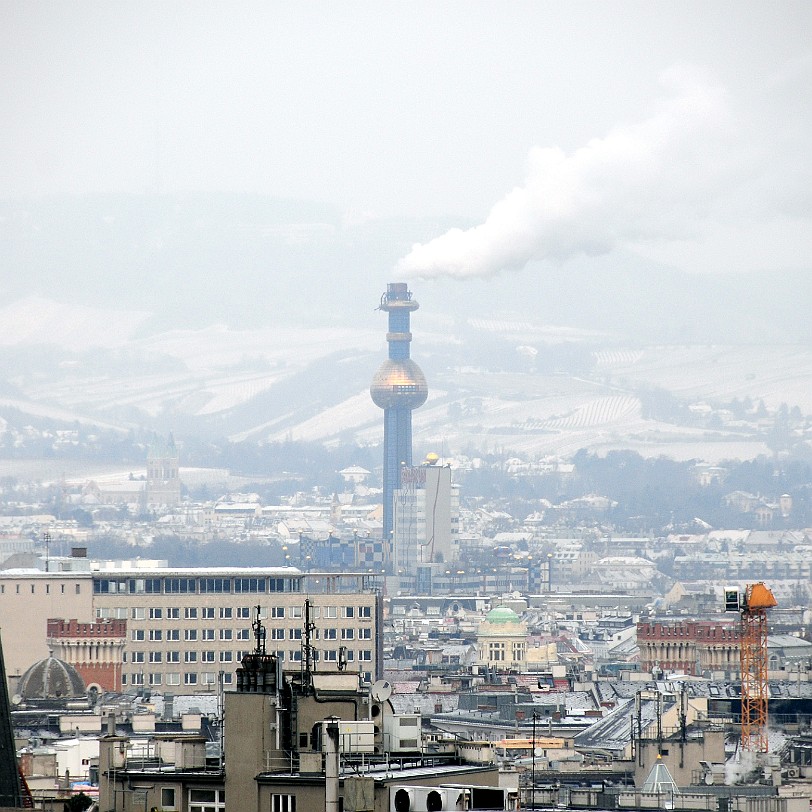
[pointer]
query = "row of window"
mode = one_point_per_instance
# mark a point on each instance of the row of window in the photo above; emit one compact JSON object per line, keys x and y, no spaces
{"x":229,"y":612}
{"x":193,"y":635}
{"x":193,"y":586}
{"x":207,"y":656}
{"x":77,"y":589}
{"x":227,"y":656}
{"x":192,"y":678}
{"x":176,"y":678}
{"x":496,"y":652}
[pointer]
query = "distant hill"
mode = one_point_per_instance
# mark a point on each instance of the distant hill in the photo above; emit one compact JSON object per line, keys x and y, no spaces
{"x":249,"y":261}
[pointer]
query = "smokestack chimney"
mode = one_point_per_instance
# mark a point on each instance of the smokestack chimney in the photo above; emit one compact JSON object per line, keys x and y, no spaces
{"x":398,"y":387}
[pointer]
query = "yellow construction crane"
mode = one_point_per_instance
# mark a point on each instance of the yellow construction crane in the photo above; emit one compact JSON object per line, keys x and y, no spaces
{"x":752,"y":607}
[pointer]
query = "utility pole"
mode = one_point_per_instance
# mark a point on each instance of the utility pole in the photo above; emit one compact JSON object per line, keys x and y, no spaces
{"x":533,"y":771}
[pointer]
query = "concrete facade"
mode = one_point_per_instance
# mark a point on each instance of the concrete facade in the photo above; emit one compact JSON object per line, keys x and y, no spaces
{"x":185,"y":626}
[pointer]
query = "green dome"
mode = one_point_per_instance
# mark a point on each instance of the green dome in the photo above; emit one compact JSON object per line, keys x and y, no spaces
{"x":501,"y":614}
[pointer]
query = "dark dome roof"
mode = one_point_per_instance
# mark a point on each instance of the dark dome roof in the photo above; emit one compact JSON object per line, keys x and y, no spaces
{"x":51,"y":679}
{"x":399,"y":383}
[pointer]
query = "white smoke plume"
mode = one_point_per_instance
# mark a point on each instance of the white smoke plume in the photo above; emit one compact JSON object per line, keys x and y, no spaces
{"x":741,"y":767}
{"x":648,"y":181}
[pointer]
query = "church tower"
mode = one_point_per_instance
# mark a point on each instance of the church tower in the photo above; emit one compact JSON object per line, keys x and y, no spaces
{"x":163,"y":483}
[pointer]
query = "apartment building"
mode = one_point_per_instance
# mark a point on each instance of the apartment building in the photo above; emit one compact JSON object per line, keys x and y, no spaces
{"x":186,"y":626}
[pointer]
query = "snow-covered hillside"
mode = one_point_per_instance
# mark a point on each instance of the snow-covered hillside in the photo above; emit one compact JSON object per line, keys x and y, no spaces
{"x":489,"y":386}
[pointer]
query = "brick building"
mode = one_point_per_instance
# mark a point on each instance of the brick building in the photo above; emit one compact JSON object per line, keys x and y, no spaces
{"x":690,"y":646}
{"x":95,"y":650}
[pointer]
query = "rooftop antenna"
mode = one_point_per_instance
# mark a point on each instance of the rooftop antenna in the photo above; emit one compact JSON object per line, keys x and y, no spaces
{"x":260,"y":632}
{"x":308,"y":658}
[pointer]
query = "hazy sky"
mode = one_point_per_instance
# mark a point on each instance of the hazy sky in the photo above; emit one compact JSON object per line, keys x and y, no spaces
{"x":677,"y":130}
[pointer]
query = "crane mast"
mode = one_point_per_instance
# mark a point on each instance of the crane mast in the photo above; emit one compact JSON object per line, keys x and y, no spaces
{"x":753,"y":606}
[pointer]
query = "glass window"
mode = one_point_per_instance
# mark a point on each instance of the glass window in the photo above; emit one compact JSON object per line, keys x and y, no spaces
{"x":149,"y":586}
{"x":215,"y":585}
{"x":190,"y":613}
{"x":283,"y":803}
{"x":175,"y":586}
{"x":249,"y":585}
{"x":207,"y":800}
{"x":168,"y":797}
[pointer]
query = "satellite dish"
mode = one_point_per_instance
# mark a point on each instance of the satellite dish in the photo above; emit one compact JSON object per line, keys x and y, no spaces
{"x":16,"y":699}
{"x":381,"y":690}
